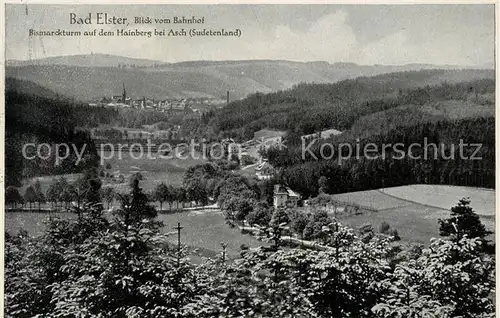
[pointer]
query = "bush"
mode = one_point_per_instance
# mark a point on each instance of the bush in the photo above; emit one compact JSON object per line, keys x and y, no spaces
{"x":261,"y":215}
{"x":247,"y":160}
{"x":384,"y":227}
{"x":365,"y":228}
{"x":395,"y":235}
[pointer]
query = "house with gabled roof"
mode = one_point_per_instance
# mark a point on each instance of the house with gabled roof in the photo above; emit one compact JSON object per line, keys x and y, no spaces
{"x":264,"y":171}
{"x":284,"y":197}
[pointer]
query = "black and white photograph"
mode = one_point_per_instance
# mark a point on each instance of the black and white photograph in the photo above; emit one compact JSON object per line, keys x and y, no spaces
{"x":249,"y":160}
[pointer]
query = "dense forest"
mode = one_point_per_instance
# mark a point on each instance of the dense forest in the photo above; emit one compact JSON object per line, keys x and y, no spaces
{"x":37,"y":120}
{"x":373,"y":112}
{"x":360,"y":173}
{"x":308,"y":108}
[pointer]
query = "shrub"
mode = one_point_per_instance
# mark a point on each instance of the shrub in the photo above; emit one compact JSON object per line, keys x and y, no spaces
{"x":384,"y":227}
{"x":365,"y":228}
{"x":395,"y":235}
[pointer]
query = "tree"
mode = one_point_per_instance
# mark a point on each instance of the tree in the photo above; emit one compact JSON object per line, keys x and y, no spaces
{"x":54,"y":192}
{"x":323,"y":184}
{"x":450,"y":279}
{"x":384,"y":227}
{"x":299,"y":223}
{"x":135,"y":176}
{"x":279,"y":216}
{"x":161,"y":194}
{"x":30,"y":195}
{"x":314,"y":227}
{"x":135,"y":206}
{"x":261,"y":215}
{"x":12,"y":196}
{"x":181,"y":196}
{"x":108,"y":194}
{"x":195,"y":192}
{"x":88,"y":187}
{"x":463,"y":221}
{"x":240,"y":206}
{"x":40,"y":197}
{"x":211,"y":184}
{"x":172,"y":196}
{"x":68,"y":194}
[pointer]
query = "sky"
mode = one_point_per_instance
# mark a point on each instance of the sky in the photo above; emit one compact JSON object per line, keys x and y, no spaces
{"x":363,"y":34}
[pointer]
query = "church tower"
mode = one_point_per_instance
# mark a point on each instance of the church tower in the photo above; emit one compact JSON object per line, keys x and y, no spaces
{"x":124,"y":95}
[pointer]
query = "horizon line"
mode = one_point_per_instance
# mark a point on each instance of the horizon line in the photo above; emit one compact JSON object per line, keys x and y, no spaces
{"x":481,"y":66}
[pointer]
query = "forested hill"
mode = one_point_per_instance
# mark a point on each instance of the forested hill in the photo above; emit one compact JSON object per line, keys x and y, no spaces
{"x":87,"y":77}
{"x":445,"y":115}
{"x":308,"y":108}
{"x":35,"y":119}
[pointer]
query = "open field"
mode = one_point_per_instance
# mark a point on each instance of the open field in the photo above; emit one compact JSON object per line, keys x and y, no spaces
{"x":203,"y":230}
{"x":154,"y":171}
{"x":414,"y":210}
{"x":372,"y":200}
{"x":482,"y":200}
{"x":127,"y":161}
{"x":414,"y":222}
{"x":31,"y":222}
{"x":206,"y":229}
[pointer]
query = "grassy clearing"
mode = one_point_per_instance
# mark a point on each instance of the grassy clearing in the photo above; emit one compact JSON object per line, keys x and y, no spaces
{"x":372,"y":200}
{"x":126,"y":162}
{"x":415,"y":210}
{"x":206,"y":229}
{"x":414,"y":222}
{"x":203,"y":230}
{"x":32,"y":222}
{"x":455,"y":109}
{"x":154,"y":171}
{"x":442,"y":196}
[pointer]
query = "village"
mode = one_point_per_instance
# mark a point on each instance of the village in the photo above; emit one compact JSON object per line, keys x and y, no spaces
{"x":197,"y":105}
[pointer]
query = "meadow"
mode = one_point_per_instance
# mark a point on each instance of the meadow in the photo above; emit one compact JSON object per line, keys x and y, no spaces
{"x":442,"y":196}
{"x":414,"y":210}
{"x":32,"y":222}
{"x":154,"y":171}
{"x":372,"y":200}
{"x":206,"y":229}
{"x":203,"y":230}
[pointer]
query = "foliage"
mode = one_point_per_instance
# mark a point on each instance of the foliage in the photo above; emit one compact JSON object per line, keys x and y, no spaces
{"x":310,"y":108}
{"x":301,"y":169}
{"x":124,"y":268}
{"x":161,"y":194}
{"x":314,"y":227}
{"x":12,"y":196}
{"x":463,"y":221}
{"x":450,"y":279}
{"x":261,"y":215}
{"x":36,"y":119}
{"x":30,"y":195}
{"x":298,"y":223}
{"x":108,"y":195}
{"x":384,"y":227}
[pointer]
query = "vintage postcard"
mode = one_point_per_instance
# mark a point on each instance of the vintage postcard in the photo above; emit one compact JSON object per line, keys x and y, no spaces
{"x":249,"y":160}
